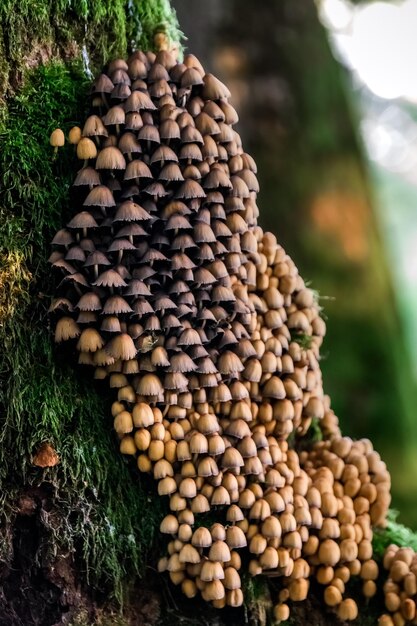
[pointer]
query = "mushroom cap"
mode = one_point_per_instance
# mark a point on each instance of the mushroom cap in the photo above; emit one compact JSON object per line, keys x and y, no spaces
{"x":74,"y":135}
{"x":110,"y":158}
{"x":90,"y":340}
{"x":121,"y":347}
{"x":139,"y":101}
{"x":169,"y":525}
{"x":45,"y":456}
{"x":219,"y":551}
{"x":65,"y":329}
{"x":235,"y":537}
{"x":57,"y":138}
{"x":82,"y":220}
{"x":109,"y":278}
{"x":201,"y":538}
{"x":188,"y":554}
{"x":94,"y":127}
{"x":211,"y":571}
{"x":149,"y":385}
{"x":214,"y":89}
{"x":347,"y":609}
{"x":129,"y":211}
{"x":86,"y":149}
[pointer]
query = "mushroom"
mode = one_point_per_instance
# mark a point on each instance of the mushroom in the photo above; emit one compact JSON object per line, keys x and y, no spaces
{"x":45,"y":456}
{"x":86,"y":150}
{"x":74,"y":135}
{"x":57,"y":139}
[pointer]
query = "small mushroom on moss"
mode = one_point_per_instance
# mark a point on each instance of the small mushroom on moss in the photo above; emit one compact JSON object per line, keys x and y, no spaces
{"x":57,"y":139}
{"x":45,"y":456}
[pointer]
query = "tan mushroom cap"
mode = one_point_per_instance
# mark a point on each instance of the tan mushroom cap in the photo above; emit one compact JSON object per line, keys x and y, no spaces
{"x":74,"y":135}
{"x":57,"y":138}
{"x":122,"y":347}
{"x":86,"y":149}
{"x":66,"y":329}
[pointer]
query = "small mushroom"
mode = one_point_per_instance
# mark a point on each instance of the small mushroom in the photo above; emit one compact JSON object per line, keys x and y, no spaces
{"x":57,"y":140}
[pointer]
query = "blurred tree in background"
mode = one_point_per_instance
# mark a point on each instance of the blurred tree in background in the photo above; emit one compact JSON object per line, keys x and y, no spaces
{"x":298,"y":120}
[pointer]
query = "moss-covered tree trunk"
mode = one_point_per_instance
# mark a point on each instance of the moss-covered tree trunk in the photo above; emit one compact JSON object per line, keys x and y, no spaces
{"x":74,"y":538}
{"x":78,"y":540}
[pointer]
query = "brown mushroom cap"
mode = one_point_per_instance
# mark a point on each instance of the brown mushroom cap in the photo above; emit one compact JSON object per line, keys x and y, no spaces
{"x":45,"y":456}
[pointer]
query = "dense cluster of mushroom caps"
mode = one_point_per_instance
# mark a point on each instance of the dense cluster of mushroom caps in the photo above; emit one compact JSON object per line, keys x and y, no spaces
{"x":201,"y":323}
{"x":400,"y":588}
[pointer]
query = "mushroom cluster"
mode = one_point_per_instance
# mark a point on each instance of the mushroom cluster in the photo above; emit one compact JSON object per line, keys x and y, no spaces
{"x":400,"y":588}
{"x":201,"y":323}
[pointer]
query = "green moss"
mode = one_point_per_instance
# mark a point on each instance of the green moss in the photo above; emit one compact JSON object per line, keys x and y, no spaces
{"x":102,"y":513}
{"x":100,"y":507}
{"x":393,"y":533}
{"x":303,"y":340}
{"x":152,"y":17}
{"x":36,"y":31}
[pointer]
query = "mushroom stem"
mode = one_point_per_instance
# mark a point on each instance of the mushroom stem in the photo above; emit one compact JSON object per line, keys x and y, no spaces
{"x":104,"y":98}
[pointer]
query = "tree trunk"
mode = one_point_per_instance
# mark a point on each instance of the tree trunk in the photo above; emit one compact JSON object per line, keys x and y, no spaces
{"x":74,"y":537}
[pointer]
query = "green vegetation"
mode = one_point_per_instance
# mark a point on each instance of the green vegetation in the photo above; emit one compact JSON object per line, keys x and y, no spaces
{"x":102,"y":513}
{"x":41,"y":31}
{"x":393,"y":533}
{"x":303,"y":340}
{"x":151,"y":17}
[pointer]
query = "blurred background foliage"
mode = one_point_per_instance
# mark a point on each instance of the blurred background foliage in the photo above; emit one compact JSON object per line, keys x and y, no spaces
{"x":334,"y":210}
